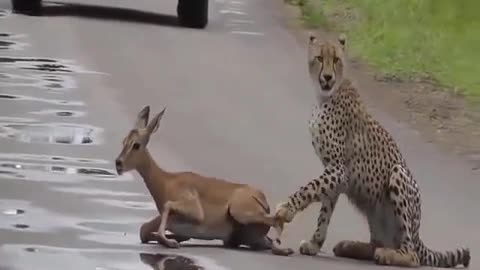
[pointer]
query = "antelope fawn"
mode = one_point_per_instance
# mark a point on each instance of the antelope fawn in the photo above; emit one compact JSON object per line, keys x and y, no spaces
{"x":195,"y":206}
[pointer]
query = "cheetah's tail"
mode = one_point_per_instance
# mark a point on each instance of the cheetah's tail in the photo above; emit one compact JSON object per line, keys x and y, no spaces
{"x":447,"y":259}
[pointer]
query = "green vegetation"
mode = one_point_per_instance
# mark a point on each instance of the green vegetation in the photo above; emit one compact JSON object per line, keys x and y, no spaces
{"x":435,"y":38}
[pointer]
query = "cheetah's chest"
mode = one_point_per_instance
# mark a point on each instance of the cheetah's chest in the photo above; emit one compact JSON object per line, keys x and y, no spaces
{"x":317,"y":130}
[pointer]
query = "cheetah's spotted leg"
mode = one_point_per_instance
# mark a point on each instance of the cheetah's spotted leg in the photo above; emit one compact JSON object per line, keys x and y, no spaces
{"x":405,"y":255}
{"x":313,"y":246}
{"x":325,"y":190}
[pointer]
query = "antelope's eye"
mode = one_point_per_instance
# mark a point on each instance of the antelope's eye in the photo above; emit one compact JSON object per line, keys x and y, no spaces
{"x":136,"y":146}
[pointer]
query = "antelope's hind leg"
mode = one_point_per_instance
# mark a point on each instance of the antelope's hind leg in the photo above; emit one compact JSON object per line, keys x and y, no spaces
{"x":252,"y":211}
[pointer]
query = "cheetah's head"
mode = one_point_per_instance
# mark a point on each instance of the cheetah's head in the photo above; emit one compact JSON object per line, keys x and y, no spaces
{"x":326,"y":64}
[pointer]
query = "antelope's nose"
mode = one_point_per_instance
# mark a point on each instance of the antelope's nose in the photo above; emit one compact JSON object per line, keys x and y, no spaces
{"x":118,"y":166}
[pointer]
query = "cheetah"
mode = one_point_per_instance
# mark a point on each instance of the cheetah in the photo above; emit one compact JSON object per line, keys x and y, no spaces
{"x":362,"y":161}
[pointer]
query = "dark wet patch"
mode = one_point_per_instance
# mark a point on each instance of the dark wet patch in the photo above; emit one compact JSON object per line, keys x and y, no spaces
{"x":6,"y":96}
{"x":49,"y":82}
{"x":21,"y":226}
{"x":5,"y":45}
{"x":49,"y":68}
{"x":8,"y":173}
{"x":51,"y":257}
{"x":44,"y":65}
{"x":33,"y":157}
{"x":97,"y":172}
{"x":90,"y":191}
{"x":31,"y":249}
{"x":51,"y":133}
{"x":18,"y":59}
{"x":14,"y":212}
{"x":63,"y":169}
{"x":169,"y":262}
{"x":141,"y":205}
{"x":50,"y":101}
{"x":64,"y":113}
{"x":60,"y":113}
{"x":56,"y":172}
{"x":3,"y":13}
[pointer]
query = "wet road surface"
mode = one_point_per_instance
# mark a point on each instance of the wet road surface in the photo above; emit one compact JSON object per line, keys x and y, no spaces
{"x":238,"y":101}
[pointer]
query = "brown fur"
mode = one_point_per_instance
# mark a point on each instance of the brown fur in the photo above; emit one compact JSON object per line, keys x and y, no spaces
{"x":195,"y":206}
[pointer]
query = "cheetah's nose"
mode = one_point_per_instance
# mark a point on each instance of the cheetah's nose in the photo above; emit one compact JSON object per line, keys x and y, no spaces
{"x":327,"y":77}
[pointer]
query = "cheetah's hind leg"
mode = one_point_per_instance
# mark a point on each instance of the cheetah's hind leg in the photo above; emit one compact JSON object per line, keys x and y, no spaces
{"x":398,"y":190}
{"x":354,"y":250}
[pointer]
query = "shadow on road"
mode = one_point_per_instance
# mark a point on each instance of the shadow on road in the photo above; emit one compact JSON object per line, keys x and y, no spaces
{"x":51,"y":8}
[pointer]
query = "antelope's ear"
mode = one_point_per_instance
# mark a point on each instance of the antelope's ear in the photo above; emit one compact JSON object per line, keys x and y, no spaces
{"x":155,"y":123}
{"x":142,"y":118}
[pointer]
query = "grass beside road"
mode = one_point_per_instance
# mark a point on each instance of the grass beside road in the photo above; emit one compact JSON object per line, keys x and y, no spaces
{"x":434,"y":38}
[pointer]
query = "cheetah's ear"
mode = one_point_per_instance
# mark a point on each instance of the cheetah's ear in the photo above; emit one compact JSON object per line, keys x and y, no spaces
{"x":312,"y":38}
{"x":342,"y":39}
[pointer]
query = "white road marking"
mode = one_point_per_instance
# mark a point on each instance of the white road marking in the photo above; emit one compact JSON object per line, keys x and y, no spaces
{"x":247,"y":33}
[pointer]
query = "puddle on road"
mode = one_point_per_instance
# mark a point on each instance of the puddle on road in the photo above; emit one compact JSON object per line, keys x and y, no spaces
{"x":6,"y":42}
{"x":91,"y":191}
{"x":52,"y":133}
{"x":56,"y":173}
{"x":26,"y":257}
{"x":47,"y":158}
{"x":4,"y":13}
{"x":41,"y":220}
{"x":140,"y":205}
{"x":13,"y":212}
{"x":169,"y":261}
{"x":5,"y":45}
{"x":44,"y":65}
{"x":21,"y":226}
{"x":44,"y":100}
{"x":16,"y":119}
{"x":49,"y":82}
{"x":60,"y":113}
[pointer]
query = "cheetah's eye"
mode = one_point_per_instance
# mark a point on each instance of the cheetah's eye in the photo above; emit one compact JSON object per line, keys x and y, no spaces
{"x":336,"y":59}
{"x":320,"y":58}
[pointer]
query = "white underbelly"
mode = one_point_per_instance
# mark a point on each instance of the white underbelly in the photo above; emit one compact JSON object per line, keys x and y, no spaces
{"x":200,"y":231}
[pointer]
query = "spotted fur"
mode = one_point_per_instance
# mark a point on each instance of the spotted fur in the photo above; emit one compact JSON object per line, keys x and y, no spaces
{"x":362,"y":161}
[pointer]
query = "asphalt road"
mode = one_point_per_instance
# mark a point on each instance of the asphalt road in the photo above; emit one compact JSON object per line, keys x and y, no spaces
{"x":238,"y":101}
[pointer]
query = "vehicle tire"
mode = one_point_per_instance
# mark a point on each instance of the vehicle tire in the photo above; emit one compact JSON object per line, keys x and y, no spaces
{"x":193,"y":13}
{"x":29,"y":7}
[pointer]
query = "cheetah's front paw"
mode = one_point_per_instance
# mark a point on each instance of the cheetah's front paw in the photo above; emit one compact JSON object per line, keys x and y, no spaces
{"x":308,"y":248}
{"x":284,"y":213}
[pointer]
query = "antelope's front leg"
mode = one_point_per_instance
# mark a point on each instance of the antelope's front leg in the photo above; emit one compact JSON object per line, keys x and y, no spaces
{"x":189,"y":207}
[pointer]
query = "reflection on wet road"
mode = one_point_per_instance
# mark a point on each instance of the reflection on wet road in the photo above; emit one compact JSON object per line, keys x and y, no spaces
{"x":40,"y":187}
{"x":55,"y":191}
{"x":55,"y":133}
{"x":101,"y":259}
